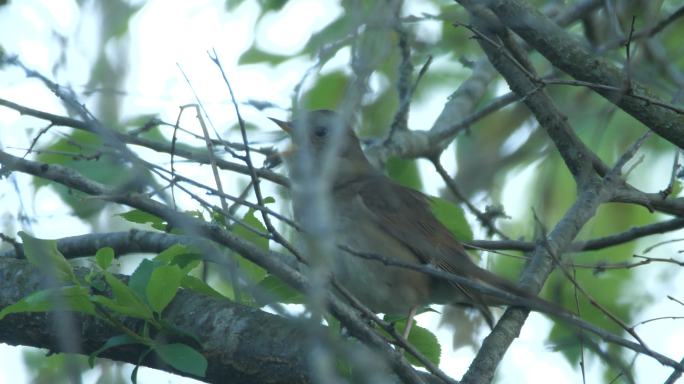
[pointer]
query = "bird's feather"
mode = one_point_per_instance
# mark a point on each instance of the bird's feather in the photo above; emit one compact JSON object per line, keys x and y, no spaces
{"x":427,"y":237}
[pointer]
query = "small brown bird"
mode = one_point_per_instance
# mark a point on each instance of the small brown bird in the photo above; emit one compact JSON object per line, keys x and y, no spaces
{"x":372,"y":214}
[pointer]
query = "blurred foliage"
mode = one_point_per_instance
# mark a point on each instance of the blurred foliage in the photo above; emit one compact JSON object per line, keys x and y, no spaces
{"x":266,"y":5}
{"x":404,"y":172}
{"x":327,"y":93}
{"x":49,"y":368}
{"x":86,"y":153}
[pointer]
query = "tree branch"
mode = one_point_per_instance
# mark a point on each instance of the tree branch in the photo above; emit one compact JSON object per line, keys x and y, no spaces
{"x":566,"y":53}
{"x":242,"y":343}
{"x":199,"y":157}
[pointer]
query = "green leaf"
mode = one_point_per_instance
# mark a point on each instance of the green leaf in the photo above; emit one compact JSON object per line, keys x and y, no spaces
{"x":564,"y":340}
{"x":400,"y":318}
{"x":112,"y":342}
{"x":272,"y":5}
{"x":82,"y":152}
{"x":328,"y":91}
{"x":163,"y":285}
{"x":252,"y":271}
{"x":676,"y":188}
{"x":169,"y":254}
{"x":119,"y":309}
{"x":49,"y":367}
{"x":197,"y":285}
{"x":269,"y":200}
{"x":232,"y":4}
{"x":404,"y":172}
{"x":45,"y":255}
{"x":134,"y":373}
{"x":74,"y":297}
{"x":182,"y":255}
{"x":104,"y":257}
{"x":143,"y":122}
{"x":424,"y":341}
{"x":141,"y":276}
{"x":255,"y":55}
{"x":272,"y":289}
{"x":452,"y":216}
{"x":139,"y":217}
{"x":126,"y":301}
{"x":183,"y":358}
{"x":95,"y":280}
{"x":253,"y":222}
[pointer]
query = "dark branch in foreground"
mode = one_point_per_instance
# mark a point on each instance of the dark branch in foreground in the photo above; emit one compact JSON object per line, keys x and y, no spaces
{"x":232,"y":335}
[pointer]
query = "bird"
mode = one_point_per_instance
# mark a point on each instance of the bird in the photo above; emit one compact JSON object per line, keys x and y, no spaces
{"x":373,"y":215}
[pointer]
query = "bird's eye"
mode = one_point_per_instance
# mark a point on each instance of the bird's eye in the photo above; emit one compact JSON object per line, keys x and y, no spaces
{"x":320,"y":131}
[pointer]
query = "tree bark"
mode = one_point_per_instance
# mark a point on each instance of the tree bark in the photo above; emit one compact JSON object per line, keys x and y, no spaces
{"x":242,"y":344}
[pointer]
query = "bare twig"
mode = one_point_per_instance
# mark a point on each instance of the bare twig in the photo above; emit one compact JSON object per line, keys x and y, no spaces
{"x":486,"y":220}
{"x":577,"y":286}
{"x":675,"y":300}
{"x":628,"y":60}
{"x":248,"y":160}
{"x":673,"y":177}
{"x":645,"y":32}
{"x":199,"y":157}
{"x":652,"y":247}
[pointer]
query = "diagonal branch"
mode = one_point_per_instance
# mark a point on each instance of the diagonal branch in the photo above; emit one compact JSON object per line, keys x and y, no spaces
{"x":566,"y":53}
{"x":592,"y":192}
{"x":197,"y":156}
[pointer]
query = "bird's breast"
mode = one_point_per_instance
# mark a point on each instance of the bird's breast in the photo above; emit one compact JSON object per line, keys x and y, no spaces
{"x":383,"y":288}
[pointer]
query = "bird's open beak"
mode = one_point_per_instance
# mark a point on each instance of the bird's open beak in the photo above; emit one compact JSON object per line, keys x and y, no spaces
{"x":284,"y":125}
{"x":287,"y":127}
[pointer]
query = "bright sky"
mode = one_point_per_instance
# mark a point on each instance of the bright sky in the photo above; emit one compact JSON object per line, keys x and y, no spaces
{"x":168,"y":34}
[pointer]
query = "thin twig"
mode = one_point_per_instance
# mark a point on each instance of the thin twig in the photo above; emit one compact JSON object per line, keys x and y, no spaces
{"x":628,"y":60}
{"x":590,"y":298}
{"x":673,"y":177}
{"x":675,"y":300}
{"x":398,"y":339}
{"x":581,"y":334}
{"x":248,"y":160}
{"x":486,"y":221}
{"x":199,"y":157}
{"x":644,"y":32}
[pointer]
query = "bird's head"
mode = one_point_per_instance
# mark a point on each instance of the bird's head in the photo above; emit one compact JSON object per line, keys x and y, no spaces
{"x":319,"y":129}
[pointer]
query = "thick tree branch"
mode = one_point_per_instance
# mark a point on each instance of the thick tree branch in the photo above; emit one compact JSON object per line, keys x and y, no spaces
{"x":577,"y":157}
{"x":457,"y":114}
{"x":650,"y":201}
{"x":241,"y":343}
{"x":566,"y":53}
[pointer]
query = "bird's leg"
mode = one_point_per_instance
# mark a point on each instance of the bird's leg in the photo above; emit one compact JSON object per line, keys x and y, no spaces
{"x":407,"y":327}
{"x":409,"y":322}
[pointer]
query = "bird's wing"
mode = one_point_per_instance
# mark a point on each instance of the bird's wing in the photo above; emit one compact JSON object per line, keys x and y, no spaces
{"x":420,"y":231}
